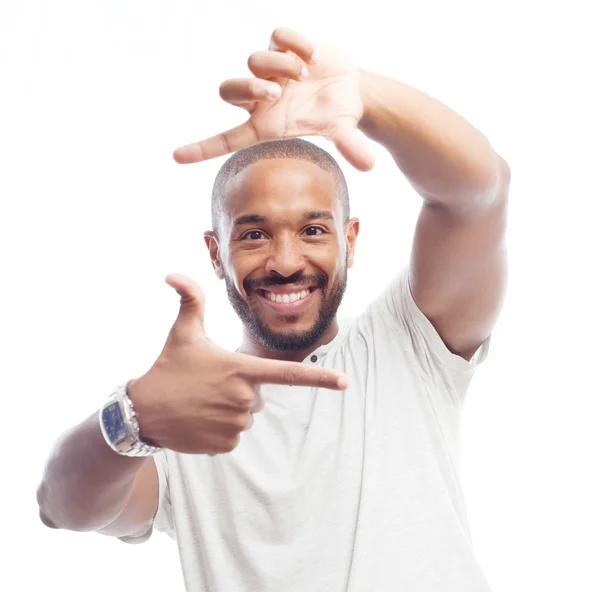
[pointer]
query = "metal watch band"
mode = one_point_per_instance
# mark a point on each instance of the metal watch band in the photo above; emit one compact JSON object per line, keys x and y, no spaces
{"x":131,"y":445}
{"x":138,"y":446}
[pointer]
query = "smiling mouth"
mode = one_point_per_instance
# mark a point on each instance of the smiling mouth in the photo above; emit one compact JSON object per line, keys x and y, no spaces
{"x":287,"y":297}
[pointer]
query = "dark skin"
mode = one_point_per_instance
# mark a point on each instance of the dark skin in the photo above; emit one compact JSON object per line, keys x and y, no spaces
{"x":283,"y":192}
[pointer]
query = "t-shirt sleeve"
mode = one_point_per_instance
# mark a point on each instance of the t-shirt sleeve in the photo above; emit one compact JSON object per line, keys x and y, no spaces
{"x":434,"y":358}
{"x":163,"y":519}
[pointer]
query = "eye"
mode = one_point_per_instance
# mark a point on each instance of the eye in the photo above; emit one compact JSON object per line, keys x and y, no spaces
{"x":253,"y":235}
{"x":314,"y":231}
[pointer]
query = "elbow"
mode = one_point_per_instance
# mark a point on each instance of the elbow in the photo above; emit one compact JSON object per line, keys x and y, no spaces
{"x":504,"y":171}
{"x":494,"y":191}
{"x":42,"y":501}
{"x":75,"y":526}
{"x":498,"y":181}
{"x":46,"y":521}
{"x":492,"y":183}
{"x":49,"y":516}
{"x":43,"y":512}
{"x":66,"y":515}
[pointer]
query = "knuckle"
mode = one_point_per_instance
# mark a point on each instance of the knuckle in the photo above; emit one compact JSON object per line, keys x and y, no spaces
{"x":291,"y":375}
{"x":234,"y":369}
{"x":230,"y":444}
{"x":225,"y":141}
{"x":254,"y":61}
{"x":240,"y":422}
{"x":254,"y":86}
{"x":324,"y":378}
{"x":245,"y":401}
{"x":242,"y":396}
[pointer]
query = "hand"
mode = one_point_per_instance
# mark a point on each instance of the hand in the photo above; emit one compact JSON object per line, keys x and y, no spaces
{"x":197,"y":398}
{"x":315,"y":92}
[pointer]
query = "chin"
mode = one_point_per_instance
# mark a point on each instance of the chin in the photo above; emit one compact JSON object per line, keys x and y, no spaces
{"x":288,"y":325}
{"x":292,"y":337}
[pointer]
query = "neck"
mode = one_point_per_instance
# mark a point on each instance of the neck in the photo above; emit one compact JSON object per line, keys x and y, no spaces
{"x":251,"y":346}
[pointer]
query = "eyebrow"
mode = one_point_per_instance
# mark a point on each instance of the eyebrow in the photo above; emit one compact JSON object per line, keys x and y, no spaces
{"x":307,"y":216}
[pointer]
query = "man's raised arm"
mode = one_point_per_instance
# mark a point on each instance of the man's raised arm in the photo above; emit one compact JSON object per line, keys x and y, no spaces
{"x":458,"y":261}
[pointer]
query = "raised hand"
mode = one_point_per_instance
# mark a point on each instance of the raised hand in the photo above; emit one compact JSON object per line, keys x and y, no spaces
{"x":299,"y":88}
{"x":197,"y":398}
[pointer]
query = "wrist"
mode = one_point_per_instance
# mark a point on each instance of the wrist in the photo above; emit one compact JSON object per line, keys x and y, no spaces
{"x":367,"y":82}
{"x":120,"y":426}
{"x":137,"y":395}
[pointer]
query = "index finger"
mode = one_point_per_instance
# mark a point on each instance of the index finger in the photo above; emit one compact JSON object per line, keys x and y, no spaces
{"x":261,"y":371}
{"x":232,"y":140}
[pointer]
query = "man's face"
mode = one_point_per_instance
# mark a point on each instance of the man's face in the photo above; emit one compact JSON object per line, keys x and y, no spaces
{"x":284,"y":251}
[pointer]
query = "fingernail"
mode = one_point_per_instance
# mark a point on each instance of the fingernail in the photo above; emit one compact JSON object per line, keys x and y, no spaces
{"x":342,"y":382}
{"x":313,"y":60}
{"x":274,"y":92}
{"x":303,"y":73}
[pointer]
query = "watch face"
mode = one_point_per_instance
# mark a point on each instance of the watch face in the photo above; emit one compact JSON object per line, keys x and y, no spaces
{"x":112,"y":419}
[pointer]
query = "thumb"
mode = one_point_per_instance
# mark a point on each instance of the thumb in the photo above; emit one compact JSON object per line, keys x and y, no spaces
{"x":353,"y":147}
{"x":189,"y":324}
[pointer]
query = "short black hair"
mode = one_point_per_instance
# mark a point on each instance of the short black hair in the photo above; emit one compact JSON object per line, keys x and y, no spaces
{"x":294,"y":148}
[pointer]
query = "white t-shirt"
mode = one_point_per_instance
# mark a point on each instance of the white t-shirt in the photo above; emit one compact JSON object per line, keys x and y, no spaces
{"x":337,"y":491}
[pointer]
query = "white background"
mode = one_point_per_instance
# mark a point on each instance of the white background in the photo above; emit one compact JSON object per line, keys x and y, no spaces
{"x":96,"y":95}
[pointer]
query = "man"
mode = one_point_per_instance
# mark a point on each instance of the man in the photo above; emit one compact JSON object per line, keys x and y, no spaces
{"x":349,"y":479}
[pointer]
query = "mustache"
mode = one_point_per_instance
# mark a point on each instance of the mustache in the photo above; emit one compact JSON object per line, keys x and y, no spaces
{"x":319,"y":280}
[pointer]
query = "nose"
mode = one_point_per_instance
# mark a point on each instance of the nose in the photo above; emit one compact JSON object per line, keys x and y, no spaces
{"x":286,"y":258}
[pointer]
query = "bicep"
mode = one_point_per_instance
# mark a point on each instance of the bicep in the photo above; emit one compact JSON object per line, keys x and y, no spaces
{"x":141,"y":506}
{"x":458,"y":271}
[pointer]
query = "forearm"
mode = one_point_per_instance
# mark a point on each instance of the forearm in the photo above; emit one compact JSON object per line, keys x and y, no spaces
{"x":444,"y":157}
{"x":85,"y":484}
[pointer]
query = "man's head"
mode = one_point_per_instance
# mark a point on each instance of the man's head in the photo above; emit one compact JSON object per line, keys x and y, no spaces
{"x":283,"y":240}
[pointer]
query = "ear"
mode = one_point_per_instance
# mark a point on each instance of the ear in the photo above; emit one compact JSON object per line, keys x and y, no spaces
{"x":352,"y":229}
{"x":212,"y":243}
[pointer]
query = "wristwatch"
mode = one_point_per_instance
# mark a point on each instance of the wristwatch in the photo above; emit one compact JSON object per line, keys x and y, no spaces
{"x":120,"y":426}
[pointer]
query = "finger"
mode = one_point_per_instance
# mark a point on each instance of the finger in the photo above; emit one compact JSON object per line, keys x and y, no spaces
{"x":353,"y":147}
{"x":261,"y":371}
{"x":284,"y":39}
{"x":250,"y":422}
{"x":230,"y":141}
{"x":249,"y":90}
{"x":189,"y":325}
{"x":273,"y":64}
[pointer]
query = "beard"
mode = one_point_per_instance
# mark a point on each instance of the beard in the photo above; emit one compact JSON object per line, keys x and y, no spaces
{"x":293,"y":340}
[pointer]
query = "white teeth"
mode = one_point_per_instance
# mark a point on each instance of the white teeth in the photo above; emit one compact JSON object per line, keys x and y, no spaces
{"x":286,"y":298}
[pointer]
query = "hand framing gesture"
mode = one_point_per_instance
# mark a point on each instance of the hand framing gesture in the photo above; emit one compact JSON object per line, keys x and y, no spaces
{"x":299,"y":89}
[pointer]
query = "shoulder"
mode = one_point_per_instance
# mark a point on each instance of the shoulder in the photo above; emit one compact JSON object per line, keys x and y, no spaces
{"x":393,"y":325}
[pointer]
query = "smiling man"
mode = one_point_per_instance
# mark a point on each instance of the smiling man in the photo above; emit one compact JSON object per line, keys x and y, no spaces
{"x":348,"y":480}
{"x":282,"y":210}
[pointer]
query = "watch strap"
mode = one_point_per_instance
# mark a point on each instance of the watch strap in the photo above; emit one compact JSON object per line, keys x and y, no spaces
{"x":131,"y":444}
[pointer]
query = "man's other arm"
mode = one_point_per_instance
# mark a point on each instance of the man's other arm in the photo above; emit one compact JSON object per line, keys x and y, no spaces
{"x":86,"y":486}
{"x":458,"y":261}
